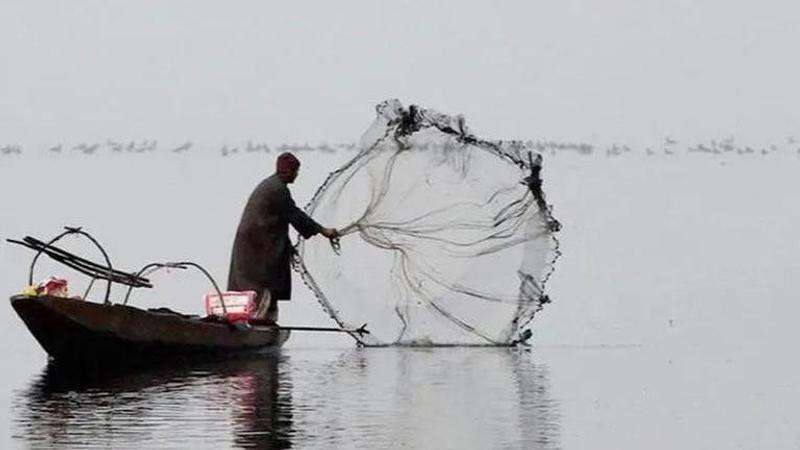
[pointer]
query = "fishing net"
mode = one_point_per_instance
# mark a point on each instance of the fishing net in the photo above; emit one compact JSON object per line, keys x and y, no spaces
{"x":446,"y":239}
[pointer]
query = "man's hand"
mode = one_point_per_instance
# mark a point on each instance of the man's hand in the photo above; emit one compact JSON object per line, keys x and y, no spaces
{"x":333,"y":235}
{"x":330,"y":233}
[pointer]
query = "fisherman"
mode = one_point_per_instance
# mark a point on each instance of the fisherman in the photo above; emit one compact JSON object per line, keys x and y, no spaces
{"x":262,"y":251}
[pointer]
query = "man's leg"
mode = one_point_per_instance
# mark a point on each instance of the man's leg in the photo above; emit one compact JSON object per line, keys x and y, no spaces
{"x":272,"y":310}
{"x":266,"y":307}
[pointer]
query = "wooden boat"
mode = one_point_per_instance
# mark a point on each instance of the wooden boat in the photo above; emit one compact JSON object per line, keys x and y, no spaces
{"x":77,"y":331}
{"x":74,"y":331}
{"x":86,"y":333}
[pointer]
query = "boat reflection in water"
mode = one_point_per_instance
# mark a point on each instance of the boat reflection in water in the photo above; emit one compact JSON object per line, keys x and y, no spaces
{"x":244,"y":402}
{"x":304,"y":398}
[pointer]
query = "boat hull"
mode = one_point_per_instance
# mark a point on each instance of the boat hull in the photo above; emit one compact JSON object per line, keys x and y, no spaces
{"x":80,"y":332}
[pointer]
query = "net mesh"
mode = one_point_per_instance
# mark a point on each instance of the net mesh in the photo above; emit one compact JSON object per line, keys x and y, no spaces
{"x":446,"y":239}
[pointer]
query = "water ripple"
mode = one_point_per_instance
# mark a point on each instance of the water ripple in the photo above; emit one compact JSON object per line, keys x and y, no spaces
{"x":359,"y":398}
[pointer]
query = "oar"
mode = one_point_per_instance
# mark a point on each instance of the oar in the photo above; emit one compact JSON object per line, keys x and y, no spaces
{"x":361,"y":331}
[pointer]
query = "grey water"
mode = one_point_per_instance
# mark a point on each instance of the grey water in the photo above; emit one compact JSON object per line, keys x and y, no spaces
{"x":675,"y":305}
{"x":673,"y":321}
{"x":353,"y":398}
{"x":454,"y":398}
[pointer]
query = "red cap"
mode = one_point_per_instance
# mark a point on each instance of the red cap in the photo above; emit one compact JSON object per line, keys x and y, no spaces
{"x":287,"y":163}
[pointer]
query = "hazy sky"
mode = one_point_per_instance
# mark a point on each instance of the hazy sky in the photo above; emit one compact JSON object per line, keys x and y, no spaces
{"x":309,"y":71}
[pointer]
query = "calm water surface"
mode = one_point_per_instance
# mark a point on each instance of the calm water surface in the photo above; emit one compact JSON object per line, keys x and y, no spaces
{"x":692,"y":267}
{"x":345,"y":398}
{"x":688,"y":397}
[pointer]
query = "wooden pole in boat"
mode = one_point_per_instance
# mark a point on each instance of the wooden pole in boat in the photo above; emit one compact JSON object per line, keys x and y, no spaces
{"x":362,"y":330}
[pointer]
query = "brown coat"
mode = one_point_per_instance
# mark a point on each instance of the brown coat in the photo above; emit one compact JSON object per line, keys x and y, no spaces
{"x":262,"y":250}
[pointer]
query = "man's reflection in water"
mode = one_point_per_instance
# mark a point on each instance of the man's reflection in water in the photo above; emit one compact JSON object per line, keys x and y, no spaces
{"x":193,"y":404}
{"x":263,"y":407}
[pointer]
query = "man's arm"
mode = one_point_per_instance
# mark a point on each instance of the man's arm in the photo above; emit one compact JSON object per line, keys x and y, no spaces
{"x":301,"y":222}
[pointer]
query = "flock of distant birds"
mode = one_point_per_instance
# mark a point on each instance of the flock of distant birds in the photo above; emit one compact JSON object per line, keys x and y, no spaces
{"x":669,"y":146}
{"x":149,"y":146}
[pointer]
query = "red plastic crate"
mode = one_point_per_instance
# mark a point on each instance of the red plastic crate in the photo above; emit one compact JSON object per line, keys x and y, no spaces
{"x":239,"y":305}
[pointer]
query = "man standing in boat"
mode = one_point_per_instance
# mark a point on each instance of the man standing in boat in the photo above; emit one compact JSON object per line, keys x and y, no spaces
{"x":262,"y":251}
